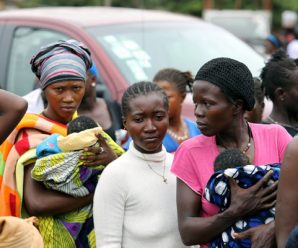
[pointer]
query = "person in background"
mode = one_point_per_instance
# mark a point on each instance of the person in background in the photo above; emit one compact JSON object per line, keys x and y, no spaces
{"x":271,"y":44}
{"x":287,"y":199}
{"x":175,"y":84}
{"x":134,"y":201}
{"x":280,"y":81}
{"x":256,"y":114}
{"x":223,"y":90}
{"x":106,"y":113}
{"x":61,"y":68}
{"x":12,"y":109}
{"x":292,"y":47}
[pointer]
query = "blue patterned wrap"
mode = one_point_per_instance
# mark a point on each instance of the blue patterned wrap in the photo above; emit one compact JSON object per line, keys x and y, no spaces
{"x":218,"y":192}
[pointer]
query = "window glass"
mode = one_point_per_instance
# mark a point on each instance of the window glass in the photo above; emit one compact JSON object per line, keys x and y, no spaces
{"x":141,"y":50}
{"x":26,"y":42}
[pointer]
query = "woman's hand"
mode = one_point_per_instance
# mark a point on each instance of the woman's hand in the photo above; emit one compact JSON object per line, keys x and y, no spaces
{"x":249,"y":201}
{"x":101,"y":155}
{"x":262,"y":236}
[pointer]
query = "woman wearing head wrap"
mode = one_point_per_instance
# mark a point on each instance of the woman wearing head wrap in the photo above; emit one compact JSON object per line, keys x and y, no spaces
{"x":61,"y":68}
{"x":223,"y":90}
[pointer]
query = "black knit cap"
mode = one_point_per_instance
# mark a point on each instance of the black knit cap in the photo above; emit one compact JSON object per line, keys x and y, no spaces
{"x":232,"y":76}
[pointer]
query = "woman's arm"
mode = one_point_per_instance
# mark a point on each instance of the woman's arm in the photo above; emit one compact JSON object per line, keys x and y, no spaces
{"x":12,"y":109}
{"x":287,"y":196}
{"x":200,"y":230}
{"x":193,"y":229}
{"x":40,"y":201}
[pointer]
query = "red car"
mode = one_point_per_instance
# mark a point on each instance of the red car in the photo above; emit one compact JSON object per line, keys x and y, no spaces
{"x":127,"y":45}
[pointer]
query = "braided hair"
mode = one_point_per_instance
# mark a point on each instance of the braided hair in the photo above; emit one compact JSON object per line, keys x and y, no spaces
{"x":143,"y":88}
{"x":183,"y":81}
{"x":277,"y":72}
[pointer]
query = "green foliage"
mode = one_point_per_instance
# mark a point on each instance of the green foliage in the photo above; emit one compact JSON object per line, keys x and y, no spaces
{"x":192,"y":7}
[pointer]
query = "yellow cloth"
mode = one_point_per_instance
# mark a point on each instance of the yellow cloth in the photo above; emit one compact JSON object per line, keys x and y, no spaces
{"x":78,"y":141}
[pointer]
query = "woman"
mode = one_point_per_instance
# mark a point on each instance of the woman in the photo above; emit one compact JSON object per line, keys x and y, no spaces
{"x":222,"y":92}
{"x":287,"y":198}
{"x":175,"y":84}
{"x":134,"y":202}
{"x":256,"y":114}
{"x":107,"y":114}
{"x":61,"y":68}
{"x":280,"y":80}
{"x":12,"y":109}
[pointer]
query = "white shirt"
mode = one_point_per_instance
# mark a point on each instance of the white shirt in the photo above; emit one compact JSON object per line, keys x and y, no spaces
{"x":133,"y":206}
{"x":35,"y":102}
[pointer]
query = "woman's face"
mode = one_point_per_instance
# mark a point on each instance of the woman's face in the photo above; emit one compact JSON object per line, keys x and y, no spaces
{"x":213,"y":111}
{"x":147,"y":122}
{"x":174,"y":96}
{"x":63,"y":99}
{"x":256,"y":114}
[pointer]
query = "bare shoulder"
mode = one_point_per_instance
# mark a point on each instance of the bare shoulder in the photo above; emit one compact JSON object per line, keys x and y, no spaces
{"x":293,"y":146}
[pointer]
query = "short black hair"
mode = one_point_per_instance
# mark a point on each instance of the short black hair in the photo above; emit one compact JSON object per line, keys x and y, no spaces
{"x":230,"y":158}
{"x":142,"y":88}
{"x":259,"y":90}
{"x":277,"y":73}
{"x":183,"y":81}
{"x":81,"y":123}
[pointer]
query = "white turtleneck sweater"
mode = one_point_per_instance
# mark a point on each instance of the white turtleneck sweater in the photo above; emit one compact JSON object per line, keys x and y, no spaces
{"x":133,"y":207}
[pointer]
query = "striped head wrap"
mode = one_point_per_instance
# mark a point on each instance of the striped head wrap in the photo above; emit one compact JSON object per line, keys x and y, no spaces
{"x":61,"y":61}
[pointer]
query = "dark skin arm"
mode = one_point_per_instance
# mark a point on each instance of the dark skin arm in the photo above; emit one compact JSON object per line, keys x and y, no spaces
{"x":200,"y":230}
{"x":12,"y":109}
{"x":40,"y":201}
{"x":287,"y":197}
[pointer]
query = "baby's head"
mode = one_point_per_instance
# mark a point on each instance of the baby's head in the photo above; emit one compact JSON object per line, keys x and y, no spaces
{"x":230,"y":158}
{"x":81,"y":123}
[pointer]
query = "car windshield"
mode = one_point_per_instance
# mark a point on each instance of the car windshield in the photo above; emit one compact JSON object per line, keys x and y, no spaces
{"x":140,"y":50}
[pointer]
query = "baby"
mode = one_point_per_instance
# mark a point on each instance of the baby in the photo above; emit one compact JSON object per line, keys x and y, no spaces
{"x":233,"y":163}
{"x":59,"y":167}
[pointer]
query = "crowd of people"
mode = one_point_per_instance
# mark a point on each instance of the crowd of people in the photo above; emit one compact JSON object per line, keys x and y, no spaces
{"x":228,"y":180}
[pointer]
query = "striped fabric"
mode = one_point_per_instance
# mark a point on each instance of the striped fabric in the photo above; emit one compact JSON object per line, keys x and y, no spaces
{"x":63,"y":171}
{"x":30,"y":131}
{"x":61,"y":61}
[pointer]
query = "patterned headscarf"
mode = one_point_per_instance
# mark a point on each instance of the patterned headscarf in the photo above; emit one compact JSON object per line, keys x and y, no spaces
{"x":61,"y":61}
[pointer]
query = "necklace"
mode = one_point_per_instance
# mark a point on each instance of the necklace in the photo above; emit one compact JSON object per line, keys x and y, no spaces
{"x":177,"y":137}
{"x":244,"y":151}
{"x":165,"y":180}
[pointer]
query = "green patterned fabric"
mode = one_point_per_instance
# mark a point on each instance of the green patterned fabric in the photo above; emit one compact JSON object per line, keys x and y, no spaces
{"x":64,"y":172}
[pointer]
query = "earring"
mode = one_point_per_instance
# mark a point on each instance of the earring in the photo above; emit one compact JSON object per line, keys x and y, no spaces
{"x":93,"y":84}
